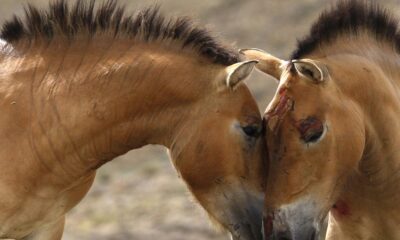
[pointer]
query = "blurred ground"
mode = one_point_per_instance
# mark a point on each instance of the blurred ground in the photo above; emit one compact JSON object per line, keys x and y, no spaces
{"x":139,"y":196}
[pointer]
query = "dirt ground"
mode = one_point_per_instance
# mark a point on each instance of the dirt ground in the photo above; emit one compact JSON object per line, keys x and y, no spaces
{"x":139,"y":195}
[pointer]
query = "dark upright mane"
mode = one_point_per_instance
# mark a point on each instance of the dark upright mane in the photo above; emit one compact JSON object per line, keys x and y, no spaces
{"x":350,"y":17}
{"x":148,"y":25}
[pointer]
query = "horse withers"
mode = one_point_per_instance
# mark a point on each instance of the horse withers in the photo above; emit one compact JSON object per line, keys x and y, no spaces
{"x":81,"y":85}
{"x":333,"y":129}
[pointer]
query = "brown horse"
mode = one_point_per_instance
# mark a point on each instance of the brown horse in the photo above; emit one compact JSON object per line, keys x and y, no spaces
{"x":80,"y":86}
{"x":333,"y":129}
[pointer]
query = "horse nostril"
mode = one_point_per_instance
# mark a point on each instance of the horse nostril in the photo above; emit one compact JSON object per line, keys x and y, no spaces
{"x":283,"y":236}
{"x":313,"y":235}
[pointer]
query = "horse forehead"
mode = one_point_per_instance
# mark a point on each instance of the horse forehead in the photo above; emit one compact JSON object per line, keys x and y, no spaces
{"x":244,"y":101}
{"x":284,"y":100}
{"x":285,"y":83}
{"x":278,"y":109}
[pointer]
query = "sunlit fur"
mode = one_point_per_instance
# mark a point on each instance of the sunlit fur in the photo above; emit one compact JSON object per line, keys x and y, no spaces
{"x":352,"y":172}
{"x":71,"y":103}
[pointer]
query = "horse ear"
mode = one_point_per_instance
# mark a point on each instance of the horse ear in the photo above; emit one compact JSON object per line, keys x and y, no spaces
{"x":238,"y":72}
{"x":5,"y":47}
{"x":267,"y":63}
{"x":311,"y":70}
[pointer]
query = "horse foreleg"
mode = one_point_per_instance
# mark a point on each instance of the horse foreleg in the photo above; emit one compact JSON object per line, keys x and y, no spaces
{"x":52,"y":231}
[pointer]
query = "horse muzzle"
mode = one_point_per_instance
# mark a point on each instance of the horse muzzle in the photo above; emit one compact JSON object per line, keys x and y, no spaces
{"x":241,"y":214}
{"x":248,"y":225}
{"x":303,"y":233}
{"x":297,"y":221}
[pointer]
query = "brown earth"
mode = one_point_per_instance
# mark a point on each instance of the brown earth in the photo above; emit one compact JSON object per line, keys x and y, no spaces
{"x":139,"y":196}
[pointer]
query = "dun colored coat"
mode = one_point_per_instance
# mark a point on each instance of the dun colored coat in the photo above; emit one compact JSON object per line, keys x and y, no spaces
{"x":80,"y":86}
{"x":333,"y":129}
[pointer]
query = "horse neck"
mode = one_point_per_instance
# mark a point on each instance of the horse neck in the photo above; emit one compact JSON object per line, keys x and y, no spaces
{"x":374,"y":85}
{"x":381,"y":108}
{"x":95,"y":100}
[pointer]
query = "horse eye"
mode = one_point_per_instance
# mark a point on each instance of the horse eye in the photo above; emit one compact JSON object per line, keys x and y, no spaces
{"x":251,"y":131}
{"x":311,"y":129}
{"x":312,"y":135}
